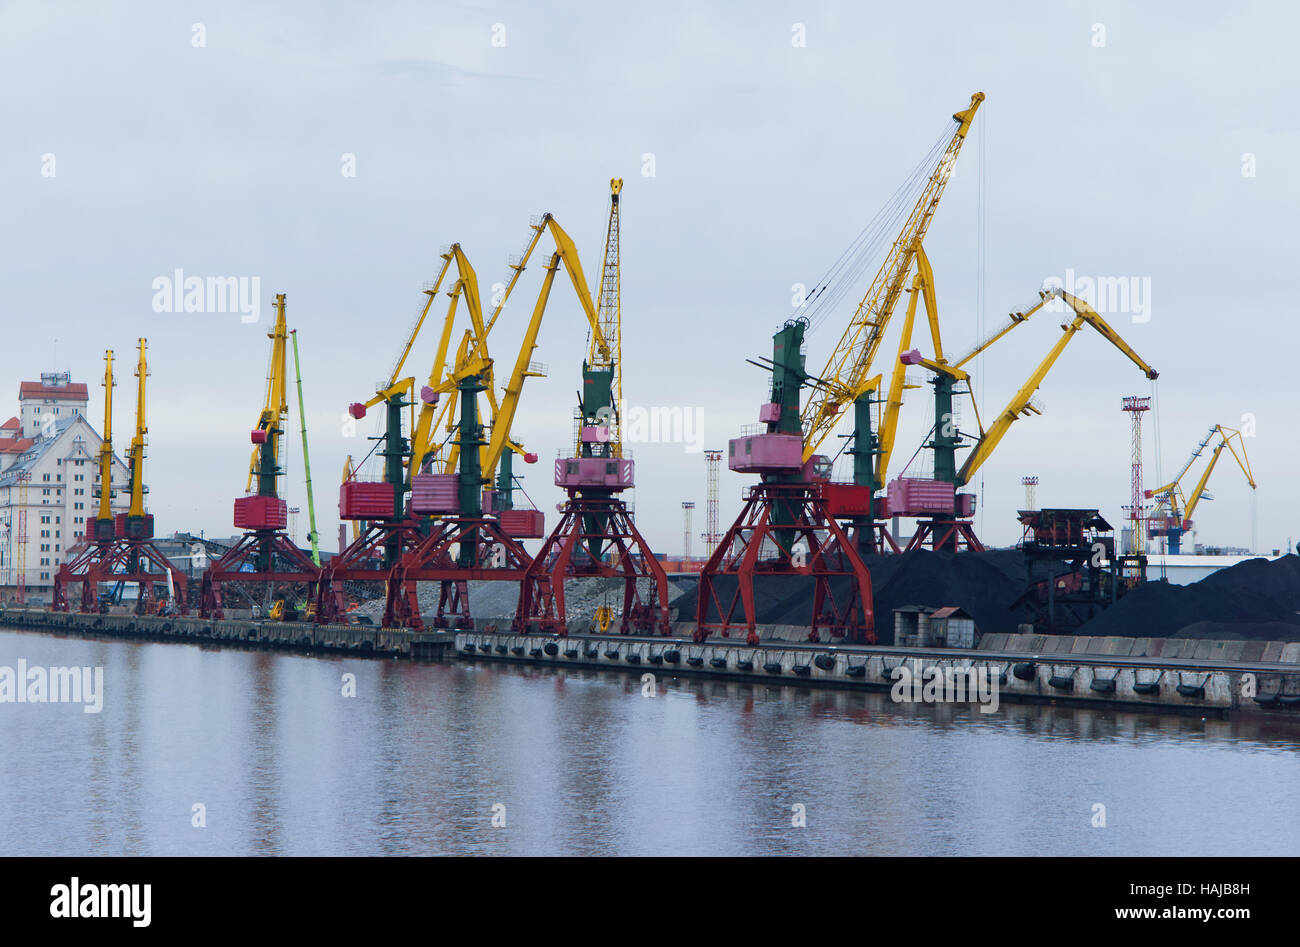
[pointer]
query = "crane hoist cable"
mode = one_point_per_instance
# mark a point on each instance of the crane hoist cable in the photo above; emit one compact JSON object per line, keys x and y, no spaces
{"x":848,"y":371}
{"x":863,"y":250}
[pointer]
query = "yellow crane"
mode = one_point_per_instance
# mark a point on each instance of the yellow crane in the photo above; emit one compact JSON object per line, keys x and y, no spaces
{"x":1020,"y":404}
{"x":104,"y":528}
{"x":847,"y":375}
{"x":265,"y":461}
{"x":135,"y":453}
{"x":1173,"y":513}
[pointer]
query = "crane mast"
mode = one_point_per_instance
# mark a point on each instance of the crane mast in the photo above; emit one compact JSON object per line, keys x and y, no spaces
{"x":608,"y":359}
{"x":136,"y":450}
{"x":106,"y":456}
{"x":845,"y":377}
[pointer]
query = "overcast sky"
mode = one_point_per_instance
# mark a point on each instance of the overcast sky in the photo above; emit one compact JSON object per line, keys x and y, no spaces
{"x":1155,"y":143}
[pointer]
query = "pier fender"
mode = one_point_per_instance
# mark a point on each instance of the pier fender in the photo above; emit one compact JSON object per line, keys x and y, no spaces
{"x":1062,"y":682}
{"x":571,"y":653}
{"x":746,"y":664}
{"x":1192,"y":691}
{"x":656,"y":658}
{"x":517,"y":650}
{"x":633,"y":657}
{"x":1025,"y":671}
{"x":1102,"y":685}
{"x":534,"y":652}
{"x":501,"y":649}
{"x":803,"y":670}
{"x":772,"y":667}
{"x":825,"y":662}
{"x":551,"y":648}
{"x":856,"y":670}
{"x":672,"y":655}
{"x":592,"y":651}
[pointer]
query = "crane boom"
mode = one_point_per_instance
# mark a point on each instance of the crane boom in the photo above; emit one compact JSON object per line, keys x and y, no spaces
{"x":106,"y":445}
{"x":306,"y":458}
{"x":138,"y":441}
{"x":265,"y":460}
{"x":1019,"y":404}
{"x":847,"y":372}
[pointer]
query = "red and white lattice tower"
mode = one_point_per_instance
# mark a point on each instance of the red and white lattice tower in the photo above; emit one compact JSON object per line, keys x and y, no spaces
{"x":712,"y":536}
{"x":688,"y":506}
{"x":1136,"y":509}
{"x":1031,"y":492}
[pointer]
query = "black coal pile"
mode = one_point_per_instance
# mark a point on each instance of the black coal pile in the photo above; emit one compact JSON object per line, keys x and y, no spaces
{"x":1256,"y":600}
{"x":983,"y":584}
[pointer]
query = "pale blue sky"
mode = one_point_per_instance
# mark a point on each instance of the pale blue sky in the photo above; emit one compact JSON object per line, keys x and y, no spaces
{"x":1122,"y":160}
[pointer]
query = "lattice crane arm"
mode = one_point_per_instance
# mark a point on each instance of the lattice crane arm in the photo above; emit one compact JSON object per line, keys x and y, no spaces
{"x":849,"y":367}
{"x":1226,"y":437}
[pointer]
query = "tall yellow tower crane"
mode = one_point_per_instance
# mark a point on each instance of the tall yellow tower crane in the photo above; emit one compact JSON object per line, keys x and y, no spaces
{"x":135,"y":453}
{"x":1173,"y":514}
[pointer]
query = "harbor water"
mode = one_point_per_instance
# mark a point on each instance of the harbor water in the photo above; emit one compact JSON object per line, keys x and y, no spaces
{"x":207,"y":751}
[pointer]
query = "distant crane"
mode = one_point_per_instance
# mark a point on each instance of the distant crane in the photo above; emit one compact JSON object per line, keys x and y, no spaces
{"x":1173,"y":510}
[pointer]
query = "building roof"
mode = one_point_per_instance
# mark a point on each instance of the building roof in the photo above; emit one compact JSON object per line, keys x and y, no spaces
{"x":13,"y":424}
{"x":73,"y":391}
{"x":38,"y":448}
{"x":15,"y":445}
{"x":951,"y":611}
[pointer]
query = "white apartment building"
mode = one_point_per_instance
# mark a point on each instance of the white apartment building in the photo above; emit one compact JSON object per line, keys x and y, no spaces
{"x":52,"y":443}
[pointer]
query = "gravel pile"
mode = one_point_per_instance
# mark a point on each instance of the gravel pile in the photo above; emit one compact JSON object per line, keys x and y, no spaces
{"x":500,"y":599}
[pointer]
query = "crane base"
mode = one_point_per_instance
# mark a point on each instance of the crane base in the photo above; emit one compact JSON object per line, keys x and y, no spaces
{"x":755,"y":546}
{"x":121,"y":560}
{"x":494,"y":555}
{"x":289,"y":565}
{"x":591,"y":527}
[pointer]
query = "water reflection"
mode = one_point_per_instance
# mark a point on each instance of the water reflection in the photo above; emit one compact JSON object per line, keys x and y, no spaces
{"x":580,"y":762}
